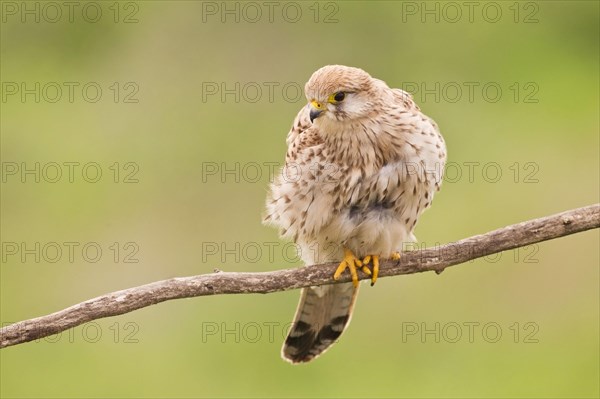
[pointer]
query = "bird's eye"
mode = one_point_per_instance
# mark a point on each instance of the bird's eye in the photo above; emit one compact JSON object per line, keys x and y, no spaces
{"x":339,"y":96}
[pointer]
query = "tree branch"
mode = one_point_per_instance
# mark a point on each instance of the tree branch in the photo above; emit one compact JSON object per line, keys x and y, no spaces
{"x":431,"y":259}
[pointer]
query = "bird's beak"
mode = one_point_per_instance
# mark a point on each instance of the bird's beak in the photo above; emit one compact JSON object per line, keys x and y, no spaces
{"x":316,"y":109}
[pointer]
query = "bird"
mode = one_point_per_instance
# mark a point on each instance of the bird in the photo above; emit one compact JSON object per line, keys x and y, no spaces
{"x":362,"y":163}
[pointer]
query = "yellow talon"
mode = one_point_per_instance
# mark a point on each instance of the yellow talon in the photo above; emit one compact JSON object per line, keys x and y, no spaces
{"x":365,"y":262}
{"x":375,"y":273}
{"x":350,"y":262}
{"x":375,"y":269}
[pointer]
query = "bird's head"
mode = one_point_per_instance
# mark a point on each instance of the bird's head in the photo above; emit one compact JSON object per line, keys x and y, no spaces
{"x":340,"y":93}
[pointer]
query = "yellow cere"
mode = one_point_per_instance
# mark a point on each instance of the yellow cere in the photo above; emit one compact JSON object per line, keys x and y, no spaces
{"x":316,"y":104}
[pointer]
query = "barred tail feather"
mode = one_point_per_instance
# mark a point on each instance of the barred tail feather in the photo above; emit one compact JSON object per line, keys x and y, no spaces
{"x":322,"y":315}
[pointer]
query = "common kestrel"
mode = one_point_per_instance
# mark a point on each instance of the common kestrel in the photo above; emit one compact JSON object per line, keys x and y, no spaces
{"x":362,"y":164}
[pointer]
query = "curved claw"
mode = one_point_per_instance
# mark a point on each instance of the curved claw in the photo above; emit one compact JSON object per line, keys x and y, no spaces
{"x":375,"y":273}
{"x":375,"y":270}
{"x":349,"y":262}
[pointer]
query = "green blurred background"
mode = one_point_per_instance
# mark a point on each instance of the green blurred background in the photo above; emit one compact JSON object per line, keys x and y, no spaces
{"x":541,"y":133}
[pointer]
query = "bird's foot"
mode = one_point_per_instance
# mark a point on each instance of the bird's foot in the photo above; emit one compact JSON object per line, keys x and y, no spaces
{"x":350,"y":262}
{"x":375,"y":259}
{"x":375,"y":274}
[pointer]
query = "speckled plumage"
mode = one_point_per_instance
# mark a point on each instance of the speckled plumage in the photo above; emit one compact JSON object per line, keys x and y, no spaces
{"x":356,"y":178}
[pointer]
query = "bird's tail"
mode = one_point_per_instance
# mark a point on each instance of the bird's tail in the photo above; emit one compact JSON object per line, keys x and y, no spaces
{"x":322,"y":315}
